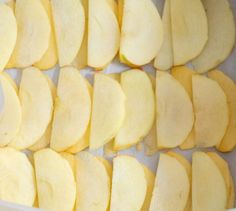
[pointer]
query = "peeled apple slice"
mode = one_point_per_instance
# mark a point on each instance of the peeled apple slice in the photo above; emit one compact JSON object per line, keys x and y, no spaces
{"x":141,"y":32}
{"x":139,"y":106}
{"x":208,"y":185}
{"x":221,"y":35}
{"x":189,"y":29}
{"x":93,"y":183}
{"x":174,"y":111}
{"x":70,"y":158}
{"x":211,"y":111}
{"x":8,"y":34}
{"x":72,"y":109}
{"x":108,"y":110}
{"x":10,"y":117}
{"x":37,"y":106}
{"x":55,"y":181}
{"x":17,"y":177}
{"x":129,"y":184}
{"x":69,"y":24}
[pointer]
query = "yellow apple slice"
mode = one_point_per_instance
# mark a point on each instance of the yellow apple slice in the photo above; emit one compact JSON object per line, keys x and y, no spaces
{"x":174,"y":111}
{"x":70,"y":158}
{"x":164,"y":58}
{"x":37,"y":106}
{"x":72,"y":109}
{"x":208,"y":185}
{"x":172,"y":185}
{"x":211,"y":111}
{"x":93,"y":183}
{"x":107,"y":165}
{"x":141,"y":32}
{"x":140,"y":108}
{"x":49,"y":58}
{"x":33,"y":33}
{"x":17,"y":177}
{"x":69,"y":24}
{"x":189,"y":29}
{"x":8,"y":34}
{"x":229,"y":140}
{"x":129,"y":184}
{"x":103,"y":34}
{"x":10,"y":117}
{"x":108,"y":109}
{"x":221,"y":35}
{"x":55,"y":181}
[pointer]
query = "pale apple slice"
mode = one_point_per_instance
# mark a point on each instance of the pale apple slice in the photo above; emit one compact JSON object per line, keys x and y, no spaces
{"x":164,"y":58}
{"x":208,"y":185}
{"x":129,"y":184}
{"x":8,"y":34}
{"x":69,"y":25}
{"x":174,"y":111}
{"x":140,"y":109}
{"x":211,"y":111}
{"x":71,"y":160}
{"x":107,"y":165}
{"x":103,"y":33}
{"x":108,"y":110}
{"x":55,"y":181}
{"x":141,"y":32}
{"x":10,"y":117}
{"x":189,"y":29}
{"x":221,"y":35}
{"x":93,"y":183}
{"x":229,"y":140}
{"x":72,"y":109}
{"x":172,"y":185}
{"x":33,"y":34}
{"x":17,"y":177}
{"x":37,"y":107}
{"x":225,"y":171}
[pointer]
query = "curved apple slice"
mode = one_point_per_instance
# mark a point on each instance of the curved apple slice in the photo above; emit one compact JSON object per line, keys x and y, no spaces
{"x":37,"y":106}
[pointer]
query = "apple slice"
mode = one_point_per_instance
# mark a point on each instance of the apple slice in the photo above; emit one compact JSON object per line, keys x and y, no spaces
{"x":174,"y":111}
{"x":71,"y":160}
{"x":108,"y":109}
{"x":72,"y":109}
{"x":37,"y":107}
{"x":229,"y":140}
{"x":103,"y":33}
{"x":93,"y":183}
{"x":55,"y":181}
{"x":189,"y":29}
{"x":141,"y":32}
{"x":140,"y":109}
{"x":150,"y":141}
{"x":172,"y":185}
{"x":107,"y":165}
{"x":208,"y":185}
{"x":211,"y":111}
{"x":164,"y":58}
{"x":8,"y":34}
{"x":129,"y":184}
{"x":221,"y":35}
{"x":69,"y":25}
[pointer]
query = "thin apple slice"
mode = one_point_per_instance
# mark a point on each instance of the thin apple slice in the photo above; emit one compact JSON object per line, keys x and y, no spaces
{"x":103,"y":33}
{"x":229,"y":140}
{"x":72,"y":109}
{"x":211,"y":111}
{"x":172,"y":185}
{"x":208,"y":185}
{"x":189,"y":29}
{"x":221,"y":35}
{"x":108,"y":109}
{"x":129,"y":184}
{"x":174,"y":111}
{"x":37,"y":107}
{"x":139,"y":106}
{"x":55,"y":181}
{"x":93,"y":183}
{"x":69,"y":25}
{"x":141,"y":32}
